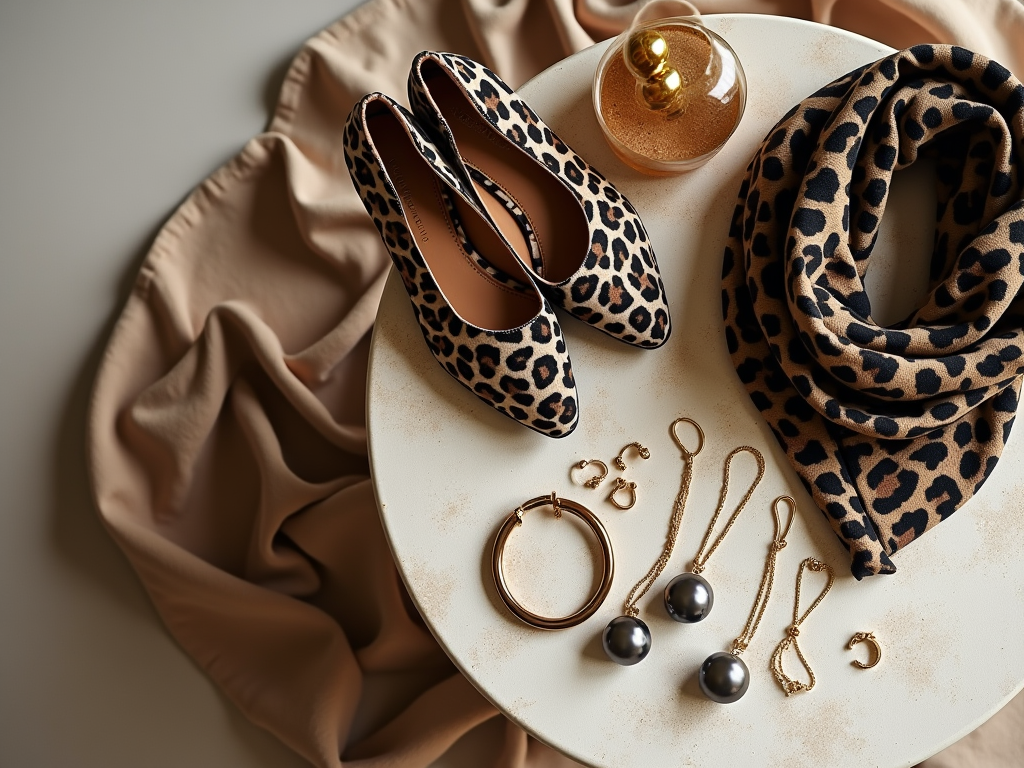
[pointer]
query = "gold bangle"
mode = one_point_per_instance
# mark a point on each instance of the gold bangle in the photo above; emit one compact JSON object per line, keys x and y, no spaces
{"x":608,"y":562}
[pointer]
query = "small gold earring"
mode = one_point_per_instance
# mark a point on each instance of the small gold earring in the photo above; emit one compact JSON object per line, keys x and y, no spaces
{"x":644,"y":454}
{"x":596,"y":480}
{"x":866,"y":637}
{"x":621,"y":484}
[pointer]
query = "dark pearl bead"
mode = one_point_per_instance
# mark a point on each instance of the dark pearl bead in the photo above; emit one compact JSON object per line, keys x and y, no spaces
{"x":689,"y":598}
{"x":724,"y":678}
{"x":626,"y":640}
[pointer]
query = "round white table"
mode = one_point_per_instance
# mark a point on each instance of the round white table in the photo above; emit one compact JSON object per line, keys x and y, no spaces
{"x":448,"y":470}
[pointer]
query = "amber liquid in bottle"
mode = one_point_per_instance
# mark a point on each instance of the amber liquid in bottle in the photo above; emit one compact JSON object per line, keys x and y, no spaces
{"x":712,"y":103}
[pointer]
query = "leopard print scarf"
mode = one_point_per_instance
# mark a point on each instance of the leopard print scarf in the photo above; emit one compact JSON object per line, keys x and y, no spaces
{"x":890,"y":428}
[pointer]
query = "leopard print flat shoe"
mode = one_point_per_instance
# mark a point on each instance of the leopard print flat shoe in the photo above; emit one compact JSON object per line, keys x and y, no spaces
{"x":482,"y":316}
{"x":579,"y":237}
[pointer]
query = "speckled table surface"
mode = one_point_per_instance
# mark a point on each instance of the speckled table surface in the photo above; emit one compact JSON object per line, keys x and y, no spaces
{"x":448,"y":470}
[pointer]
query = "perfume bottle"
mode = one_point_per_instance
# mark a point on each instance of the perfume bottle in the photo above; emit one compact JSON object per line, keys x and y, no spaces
{"x":668,"y":92}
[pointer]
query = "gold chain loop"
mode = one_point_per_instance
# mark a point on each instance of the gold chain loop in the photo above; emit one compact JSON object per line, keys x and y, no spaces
{"x":764,"y":592}
{"x":679,"y":506}
{"x":701,"y":559}
{"x":789,"y":685}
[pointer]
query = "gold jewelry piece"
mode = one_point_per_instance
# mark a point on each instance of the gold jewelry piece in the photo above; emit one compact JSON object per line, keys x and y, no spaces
{"x":621,"y":484}
{"x":678,"y":507}
{"x":789,"y":685}
{"x":597,"y":479}
{"x":701,"y":559}
{"x":558,"y":506}
{"x":626,"y":639}
{"x":644,"y":454}
{"x":870,"y":639}
{"x":764,"y":592}
{"x":689,"y":597}
{"x":724,"y":677}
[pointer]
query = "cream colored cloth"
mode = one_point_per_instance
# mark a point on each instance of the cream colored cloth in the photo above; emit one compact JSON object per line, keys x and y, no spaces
{"x":227,"y":444}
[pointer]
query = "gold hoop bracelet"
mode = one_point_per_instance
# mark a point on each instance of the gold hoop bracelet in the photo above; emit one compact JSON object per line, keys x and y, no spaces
{"x":608,"y":565}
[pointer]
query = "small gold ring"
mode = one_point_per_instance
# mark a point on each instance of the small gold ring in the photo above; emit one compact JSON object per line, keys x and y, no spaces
{"x":621,"y":484}
{"x":596,"y":480}
{"x":607,"y":565}
{"x":870,"y":639}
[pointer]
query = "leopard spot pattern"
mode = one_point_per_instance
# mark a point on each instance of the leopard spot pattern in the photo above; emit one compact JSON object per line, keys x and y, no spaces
{"x":620,"y":254}
{"x":891,"y":429}
{"x":524,"y":373}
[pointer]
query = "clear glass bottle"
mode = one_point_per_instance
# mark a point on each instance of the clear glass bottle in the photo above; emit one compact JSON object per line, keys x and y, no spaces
{"x":668,"y":92}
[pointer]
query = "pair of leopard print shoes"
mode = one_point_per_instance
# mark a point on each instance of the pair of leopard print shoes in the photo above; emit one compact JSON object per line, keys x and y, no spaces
{"x":491,"y":219}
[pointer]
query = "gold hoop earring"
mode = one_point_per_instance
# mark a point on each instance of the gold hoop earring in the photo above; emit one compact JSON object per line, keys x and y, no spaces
{"x":515,"y":520}
{"x":621,"y":484}
{"x":596,"y":480}
{"x":644,"y":454}
{"x":869,"y":638}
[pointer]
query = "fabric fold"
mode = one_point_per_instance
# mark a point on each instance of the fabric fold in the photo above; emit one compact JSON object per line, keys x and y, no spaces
{"x":891,"y":428}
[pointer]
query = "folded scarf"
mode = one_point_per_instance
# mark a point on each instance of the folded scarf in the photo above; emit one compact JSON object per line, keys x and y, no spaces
{"x":890,"y":428}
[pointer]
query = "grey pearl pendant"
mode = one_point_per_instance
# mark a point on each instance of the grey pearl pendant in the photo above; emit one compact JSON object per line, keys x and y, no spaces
{"x":724,"y":678}
{"x":626,"y":640}
{"x":689,"y":598}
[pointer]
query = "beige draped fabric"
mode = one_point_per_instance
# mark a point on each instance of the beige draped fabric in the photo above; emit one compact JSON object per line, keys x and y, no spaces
{"x":227,"y":441}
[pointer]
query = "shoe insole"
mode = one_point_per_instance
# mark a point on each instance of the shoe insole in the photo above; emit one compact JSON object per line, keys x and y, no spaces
{"x":473,"y":293}
{"x":504,"y":220}
{"x":554,"y":212}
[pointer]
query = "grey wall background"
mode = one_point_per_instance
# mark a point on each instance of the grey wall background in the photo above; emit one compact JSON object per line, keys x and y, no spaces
{"x":110,"y":112}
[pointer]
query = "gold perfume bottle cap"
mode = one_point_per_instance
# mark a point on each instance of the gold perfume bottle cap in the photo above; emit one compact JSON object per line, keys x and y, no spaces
{"x":662,"y":90}
{"x":668,"y":91}
{"x":646,"y":53}
{"x":659,"y":85}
